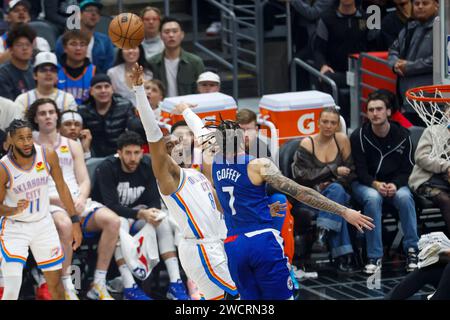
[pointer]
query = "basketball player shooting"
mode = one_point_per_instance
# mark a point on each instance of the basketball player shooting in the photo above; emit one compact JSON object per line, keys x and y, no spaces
{"x":25,"y":218}
{"x":255,"y":255}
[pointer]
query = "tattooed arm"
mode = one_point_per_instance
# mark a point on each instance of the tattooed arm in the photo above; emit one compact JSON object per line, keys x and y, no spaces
{"x":264,"y":170}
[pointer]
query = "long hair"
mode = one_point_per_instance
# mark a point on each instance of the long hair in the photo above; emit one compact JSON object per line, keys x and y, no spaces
{"x":32,"y":111}
{"x":142,"y":61}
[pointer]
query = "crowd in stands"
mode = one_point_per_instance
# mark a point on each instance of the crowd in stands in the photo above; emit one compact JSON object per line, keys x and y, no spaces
{"x":88,"y":83}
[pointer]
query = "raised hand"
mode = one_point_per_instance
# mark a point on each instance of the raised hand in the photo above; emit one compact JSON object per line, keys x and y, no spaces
{"x":137,"y":75}
{"x":277,"y":207}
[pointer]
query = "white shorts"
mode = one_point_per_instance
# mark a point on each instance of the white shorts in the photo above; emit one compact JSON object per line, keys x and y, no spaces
{"x":40,"y":237}
{"x":91,"y":206}
{"x":206,"y":263}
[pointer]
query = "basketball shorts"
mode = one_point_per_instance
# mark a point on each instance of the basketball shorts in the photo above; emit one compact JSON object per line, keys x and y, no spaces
{"x":206,"y":264}
{"x":258,"y":265}
{"x":40,"y":237}
{"x":90,"y":208}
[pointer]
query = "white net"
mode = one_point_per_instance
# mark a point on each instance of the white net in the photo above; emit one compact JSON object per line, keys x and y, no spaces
{"x":435,"y":112}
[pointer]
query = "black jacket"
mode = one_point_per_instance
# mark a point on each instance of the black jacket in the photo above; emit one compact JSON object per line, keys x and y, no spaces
{"x":107,"y":128}
{"x":388,"y":159}
{"x":121,"y":191}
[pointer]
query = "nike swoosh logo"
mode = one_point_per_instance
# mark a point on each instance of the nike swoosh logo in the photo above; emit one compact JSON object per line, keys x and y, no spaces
{"x":61,"y":81}
{"x":17,"y":177}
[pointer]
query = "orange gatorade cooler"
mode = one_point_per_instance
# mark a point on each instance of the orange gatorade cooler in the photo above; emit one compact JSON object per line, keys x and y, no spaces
{"x":209,"y":106}
{"x":294,"y":114}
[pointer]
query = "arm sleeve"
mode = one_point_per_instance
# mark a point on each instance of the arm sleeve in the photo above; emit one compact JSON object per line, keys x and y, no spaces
{"x":152,"y":130}
{"x":195,"y":123}
{"x":394,"y":50}
{"x":106,"y":180}
{"x":419,"y":66}
{"x":360,"y":161}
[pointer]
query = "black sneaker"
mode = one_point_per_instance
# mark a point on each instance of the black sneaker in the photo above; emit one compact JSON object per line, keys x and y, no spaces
{"x":411,"y":260}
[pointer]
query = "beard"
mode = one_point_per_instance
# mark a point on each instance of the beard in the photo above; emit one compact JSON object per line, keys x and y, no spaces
{"x":23,"y":155}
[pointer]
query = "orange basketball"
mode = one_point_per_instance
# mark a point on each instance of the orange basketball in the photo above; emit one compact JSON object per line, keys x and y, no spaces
{"x":126,"y":31}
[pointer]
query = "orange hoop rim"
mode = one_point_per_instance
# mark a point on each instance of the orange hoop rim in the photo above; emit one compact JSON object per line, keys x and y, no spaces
{"x":414,"y":93}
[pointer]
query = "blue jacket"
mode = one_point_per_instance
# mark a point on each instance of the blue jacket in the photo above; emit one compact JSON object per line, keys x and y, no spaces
{"x":102,"y":52}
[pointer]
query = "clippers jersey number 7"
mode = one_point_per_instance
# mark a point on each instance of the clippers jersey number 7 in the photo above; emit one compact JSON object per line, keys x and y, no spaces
{"x":230,"y":190}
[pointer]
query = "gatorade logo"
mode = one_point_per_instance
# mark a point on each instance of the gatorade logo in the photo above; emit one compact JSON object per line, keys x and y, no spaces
{"x":306,"y":124}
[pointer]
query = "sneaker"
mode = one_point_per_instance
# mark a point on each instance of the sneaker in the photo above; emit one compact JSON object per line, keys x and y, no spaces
{"x":411,"y":260}
{"x":42,"y":292}
{"x":177,"y":291}
{"x":135,"y":293}
{"x":320,"y":244}
{"x":214,"y":29}
{"x":99,"y":292}
{"x":115,"y":285}
{"x":193,"y":290}
{"x":301,"y":274}
{"x":372,"y":266}
{"x":71,"y":294}
{"x":1,"y":292}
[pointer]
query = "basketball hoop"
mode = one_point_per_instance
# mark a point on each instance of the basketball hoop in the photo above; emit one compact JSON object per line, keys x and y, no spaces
{"x":432,"y":104}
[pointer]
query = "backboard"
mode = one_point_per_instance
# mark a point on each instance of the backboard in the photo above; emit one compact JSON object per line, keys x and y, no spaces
{"x":441,"y":45}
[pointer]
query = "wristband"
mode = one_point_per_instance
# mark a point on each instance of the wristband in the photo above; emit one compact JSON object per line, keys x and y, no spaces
{"x":75,"y":218}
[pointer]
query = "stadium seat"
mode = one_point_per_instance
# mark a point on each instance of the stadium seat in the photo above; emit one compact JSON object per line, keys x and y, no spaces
{"x":92,"y":164}
{"x":287,"y":152}
{"x":46,"y":31}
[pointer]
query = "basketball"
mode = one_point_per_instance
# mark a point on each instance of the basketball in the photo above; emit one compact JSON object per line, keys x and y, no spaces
{"x":126,"y":31}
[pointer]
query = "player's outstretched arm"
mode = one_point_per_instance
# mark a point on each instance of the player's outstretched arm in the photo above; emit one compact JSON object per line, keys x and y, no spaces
{"x":264,"y":170}
{"x":6,"y":211}
{"x":166,"y":171}
{"x":64,"y":194}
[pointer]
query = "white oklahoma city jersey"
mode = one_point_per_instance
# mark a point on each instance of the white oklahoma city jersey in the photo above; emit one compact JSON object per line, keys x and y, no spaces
{"x":31,"y":184}
{"x":193,"y":207}
{"x":68,"y":171}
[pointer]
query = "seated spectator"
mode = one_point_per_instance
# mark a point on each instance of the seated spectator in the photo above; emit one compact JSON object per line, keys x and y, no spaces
{"x":254,"y":143}
{"x":127,"y":186}
{"x":93,"y":216}
{"x":19,"y":13}
{"x":323,"y":162}
{"x":9,"y":111}
{"x":396,"y":115}
{"x":72,"y":128}
{"x":340,"y":33}
{"x":100,"y":49}
{"x":430,"y":177}
{"x":75,"y":70}
{"x":381,"y":152}
{"x":16,"y":76}
{"x":45,"y":71}
{"x":176,"y":68}
{"x":411,"y":54}
{"x":393,"y":23}
{"x":106,"y":115}
{"x":208,"y":82}
{"x":120,"y":73}
{"x":152,"y":43}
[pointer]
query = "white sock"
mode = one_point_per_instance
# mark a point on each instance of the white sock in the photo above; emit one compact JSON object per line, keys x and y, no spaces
{"x":67,"y":283}
{"x":127,"y":276}
{"x":100,"y":277}
{"x":173,"y":269}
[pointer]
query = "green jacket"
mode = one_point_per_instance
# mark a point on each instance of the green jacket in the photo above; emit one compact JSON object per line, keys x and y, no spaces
{"x":189,"y":68}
